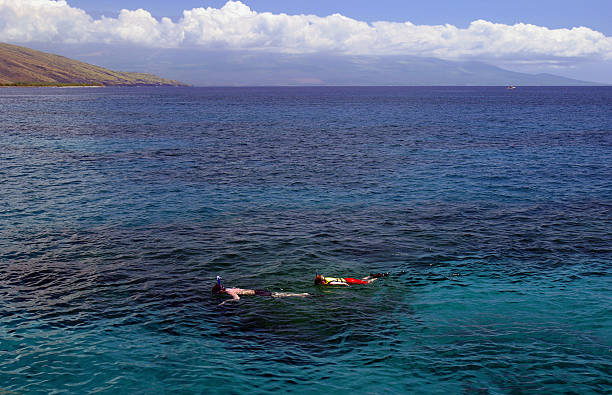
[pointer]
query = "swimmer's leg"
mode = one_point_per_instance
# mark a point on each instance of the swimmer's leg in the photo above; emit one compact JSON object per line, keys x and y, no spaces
{"x":374,"y":276}
{"x":285,"y":294}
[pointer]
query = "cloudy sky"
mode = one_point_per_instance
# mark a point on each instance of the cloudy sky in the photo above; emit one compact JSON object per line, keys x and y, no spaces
{"x":568,"y":38}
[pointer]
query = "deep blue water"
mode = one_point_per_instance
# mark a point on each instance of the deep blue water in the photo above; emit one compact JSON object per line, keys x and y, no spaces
{"x":492,"y":209}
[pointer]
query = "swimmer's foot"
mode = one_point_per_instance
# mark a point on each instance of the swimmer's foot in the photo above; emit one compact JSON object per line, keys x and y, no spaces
{"x":378,"y":275}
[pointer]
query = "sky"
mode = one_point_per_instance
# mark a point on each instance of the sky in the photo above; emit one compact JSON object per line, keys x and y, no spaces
{"x":569,"y":38}
{"x":596,"y":14}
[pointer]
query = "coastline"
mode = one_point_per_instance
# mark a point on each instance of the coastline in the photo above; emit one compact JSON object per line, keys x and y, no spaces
{"x":82,"y":86}
{"x":35,"y":85}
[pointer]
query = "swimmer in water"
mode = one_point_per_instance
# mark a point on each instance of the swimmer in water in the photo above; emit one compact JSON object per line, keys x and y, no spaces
{"x":235,"y":293}
{"x":346,"y":281}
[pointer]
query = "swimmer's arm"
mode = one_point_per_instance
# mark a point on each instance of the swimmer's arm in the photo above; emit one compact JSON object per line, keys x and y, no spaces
{"x":234,"y":298}
{"x":337,"y":283}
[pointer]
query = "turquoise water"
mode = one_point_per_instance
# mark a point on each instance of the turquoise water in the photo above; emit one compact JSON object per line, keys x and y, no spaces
{"x":490,"y":208}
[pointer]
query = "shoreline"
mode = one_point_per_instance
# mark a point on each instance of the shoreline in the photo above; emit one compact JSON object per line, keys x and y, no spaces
{"x":87,"y":86}
{"x":48,"y":86}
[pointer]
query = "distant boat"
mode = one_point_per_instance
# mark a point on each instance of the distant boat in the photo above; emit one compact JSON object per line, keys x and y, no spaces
{"x":511,"y":87}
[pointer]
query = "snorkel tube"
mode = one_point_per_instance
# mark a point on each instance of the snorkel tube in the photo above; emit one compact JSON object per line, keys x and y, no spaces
{"x":218,"y":288}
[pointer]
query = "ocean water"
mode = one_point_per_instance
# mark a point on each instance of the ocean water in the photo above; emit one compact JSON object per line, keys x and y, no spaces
{"x":491,"y":209}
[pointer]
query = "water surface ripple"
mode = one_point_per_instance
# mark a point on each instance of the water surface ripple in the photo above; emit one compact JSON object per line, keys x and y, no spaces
{"x":490,"y":208}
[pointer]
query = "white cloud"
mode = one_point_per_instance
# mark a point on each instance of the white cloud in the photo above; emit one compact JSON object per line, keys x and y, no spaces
{"x":236,"y":26}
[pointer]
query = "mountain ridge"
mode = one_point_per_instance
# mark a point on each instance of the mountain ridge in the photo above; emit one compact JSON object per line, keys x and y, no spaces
{"x":252,"y":68}
{"x":22,"y":66}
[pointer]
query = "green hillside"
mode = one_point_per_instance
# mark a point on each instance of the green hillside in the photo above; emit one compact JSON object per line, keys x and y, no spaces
{"x":22,"y":66}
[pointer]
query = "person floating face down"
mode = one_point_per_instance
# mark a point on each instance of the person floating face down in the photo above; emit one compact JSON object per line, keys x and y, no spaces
{"x":236,"y":292}
{"x":346,"y":281}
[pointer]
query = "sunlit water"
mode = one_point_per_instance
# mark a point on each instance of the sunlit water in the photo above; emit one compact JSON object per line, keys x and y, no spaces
{"x":490,"y":208}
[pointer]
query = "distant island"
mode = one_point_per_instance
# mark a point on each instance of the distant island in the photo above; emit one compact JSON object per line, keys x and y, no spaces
{"x":21,"y":66}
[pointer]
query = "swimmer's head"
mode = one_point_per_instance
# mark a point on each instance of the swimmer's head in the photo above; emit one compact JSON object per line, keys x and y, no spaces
{"x":318,"y":279}
{"x":218,"y":288}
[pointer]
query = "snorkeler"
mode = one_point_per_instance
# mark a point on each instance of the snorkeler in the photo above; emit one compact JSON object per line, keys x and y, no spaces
{"x":236,"y":292}
{"x":346,"y":281}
